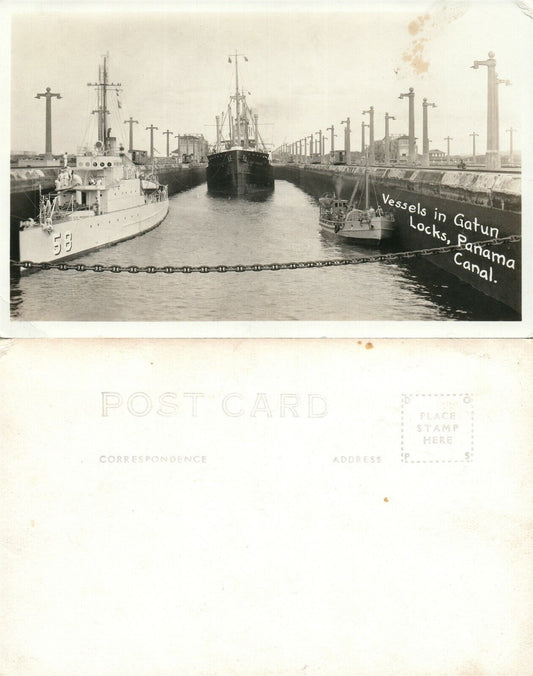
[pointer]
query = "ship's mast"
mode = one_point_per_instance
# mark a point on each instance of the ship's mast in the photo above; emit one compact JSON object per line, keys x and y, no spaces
{"x":102,"y":88}
{"x":236,"y":134}
{"x":237,"y":100}
{"x":104,"y":102}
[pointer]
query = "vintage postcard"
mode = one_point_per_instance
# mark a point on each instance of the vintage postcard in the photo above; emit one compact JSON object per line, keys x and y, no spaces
{"x":254,"y":508}
{"x":266,"y":169}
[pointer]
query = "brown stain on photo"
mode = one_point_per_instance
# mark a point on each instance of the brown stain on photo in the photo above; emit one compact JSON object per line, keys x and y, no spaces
{"x":415,"y":26}
{"x":426,"y":26}
{"x":415,"y":56}
{"x":369,"y":346}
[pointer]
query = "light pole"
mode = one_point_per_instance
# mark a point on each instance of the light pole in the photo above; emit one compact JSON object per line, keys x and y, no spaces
{"x":319,"y":132}
{"x":473,"y":135}
{"x":371,"y":153}
{"x":131,"y":122}
{"x":411,"y":96}
{"x":332,"y":143}
{"x":387,"y":137}
{"x":493,"y":160}
{"x":363,"y":145}
{"x":151,"y":128}
{"x":448,"y":139}
{"x":510,"y":130}
{"x":48,"y":140}
{"x":347,"y":132}
{"x":167,"y":134}
{"x":425,"y":137}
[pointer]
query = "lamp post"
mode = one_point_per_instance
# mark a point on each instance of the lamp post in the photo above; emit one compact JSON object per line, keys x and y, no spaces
{"x":448,"y":139}
{"x":167,"y":134}
{"x":493,"y":160}
{"x":151,"y":128}
{"x":48,"y":94}
{"x":319,"y":132}
{"x":510,"y":130}
{"x":425,"y":136}
{"x":499,"y":82}
{"x":347,"y":132}
{"x":473,"y":135}
{"x":371,"y":153}
{"x":332,"y":142}
{"x":363,"y":145}
{"x":387,"y":137}
{"x":131,"y":122}
{"x":411,"y":96}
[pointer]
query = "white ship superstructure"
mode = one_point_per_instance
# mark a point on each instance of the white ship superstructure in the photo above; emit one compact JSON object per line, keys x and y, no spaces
{"x":101,"y":200}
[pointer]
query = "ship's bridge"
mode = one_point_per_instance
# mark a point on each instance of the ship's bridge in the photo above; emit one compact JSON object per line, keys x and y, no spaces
{"x":111,"y":166}
{"x":97,"y":162}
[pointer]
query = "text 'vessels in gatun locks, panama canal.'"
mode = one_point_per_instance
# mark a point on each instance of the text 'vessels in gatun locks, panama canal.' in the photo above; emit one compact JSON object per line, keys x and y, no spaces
{"x":435,"y":231}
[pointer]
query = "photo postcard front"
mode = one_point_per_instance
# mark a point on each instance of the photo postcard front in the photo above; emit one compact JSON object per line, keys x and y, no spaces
{"x":264,"y":171}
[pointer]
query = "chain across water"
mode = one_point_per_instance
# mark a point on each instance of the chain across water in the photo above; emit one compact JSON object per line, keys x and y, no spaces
{"x":260,"y":267}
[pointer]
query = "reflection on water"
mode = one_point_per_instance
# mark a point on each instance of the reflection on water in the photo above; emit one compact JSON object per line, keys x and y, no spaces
{"x":278,"y":227}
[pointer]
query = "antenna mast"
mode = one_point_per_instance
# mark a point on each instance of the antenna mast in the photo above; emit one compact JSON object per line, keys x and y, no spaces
{"x":237,"y":97}
{"x":102,"y":87}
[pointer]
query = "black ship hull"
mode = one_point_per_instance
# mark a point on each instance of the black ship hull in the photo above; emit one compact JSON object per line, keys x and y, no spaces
{"x":239,"y":172}
{"x":496,"y":271}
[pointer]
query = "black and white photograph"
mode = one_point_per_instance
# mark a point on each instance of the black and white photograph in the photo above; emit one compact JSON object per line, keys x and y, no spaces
{"x":334,"y":165}
{"x":266,"y":366}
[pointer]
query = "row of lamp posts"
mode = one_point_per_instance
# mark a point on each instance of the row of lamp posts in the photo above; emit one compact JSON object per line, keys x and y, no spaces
{"x":299,"y":148}
{"x":492,"y":158}
{"x":48,"y":95}
{"x":152,"y":128}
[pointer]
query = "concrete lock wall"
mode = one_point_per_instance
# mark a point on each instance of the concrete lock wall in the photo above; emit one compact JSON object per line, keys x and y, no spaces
{"x":464,"y":197}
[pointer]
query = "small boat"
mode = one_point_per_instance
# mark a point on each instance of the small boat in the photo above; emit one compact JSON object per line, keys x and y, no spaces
{"x":240,"y":163}
{"x":101,"y":200}
{"x":365,"y":225}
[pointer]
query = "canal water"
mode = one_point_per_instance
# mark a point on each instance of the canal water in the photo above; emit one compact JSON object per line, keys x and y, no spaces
{"x":205,"y":230}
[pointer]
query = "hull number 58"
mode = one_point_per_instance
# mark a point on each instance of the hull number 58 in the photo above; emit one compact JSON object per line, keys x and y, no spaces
{"x":62,"y":242}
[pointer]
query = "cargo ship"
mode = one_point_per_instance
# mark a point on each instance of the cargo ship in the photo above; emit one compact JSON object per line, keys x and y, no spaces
{"x":240,"y":163}
{"x":101,"y":200}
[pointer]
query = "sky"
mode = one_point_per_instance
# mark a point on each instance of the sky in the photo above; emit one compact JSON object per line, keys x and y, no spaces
{"x":310,"y":65}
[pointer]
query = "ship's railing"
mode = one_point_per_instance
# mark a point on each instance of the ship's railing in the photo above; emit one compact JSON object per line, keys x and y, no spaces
{"x":157,"y":196}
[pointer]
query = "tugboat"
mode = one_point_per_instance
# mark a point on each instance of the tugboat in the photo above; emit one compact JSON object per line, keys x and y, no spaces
{"x":365,"y":225}
{"x":102,"y":200}
{"x":240,"y":163}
